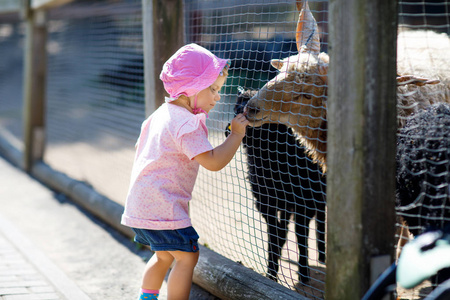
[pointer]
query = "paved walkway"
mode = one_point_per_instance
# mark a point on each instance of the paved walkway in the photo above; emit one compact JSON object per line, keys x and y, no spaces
{"x":26,"y":273}
{"x":51,"y":248}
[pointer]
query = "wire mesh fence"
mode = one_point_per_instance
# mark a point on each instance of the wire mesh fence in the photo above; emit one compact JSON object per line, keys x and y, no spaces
{"x":95,"y":92}
{"x":263,"y":202}
{"x":11,"y":78}
{"x":267,"y":208}
{"x":423,"y":113}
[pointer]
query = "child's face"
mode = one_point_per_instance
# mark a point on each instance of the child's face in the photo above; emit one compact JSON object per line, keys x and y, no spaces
{"x":208,"y":97}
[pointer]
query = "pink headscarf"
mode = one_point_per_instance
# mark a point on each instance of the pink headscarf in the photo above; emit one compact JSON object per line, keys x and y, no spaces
{"x":191,"y":69}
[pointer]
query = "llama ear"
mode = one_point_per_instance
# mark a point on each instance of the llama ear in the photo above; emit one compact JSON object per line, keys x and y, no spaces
{"x":307,"y":35}
{"x":277,"y":63}
{"x":411,"y":79}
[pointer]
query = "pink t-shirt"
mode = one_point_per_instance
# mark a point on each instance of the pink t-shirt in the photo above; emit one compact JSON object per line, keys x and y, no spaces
{"x":164,"y":171}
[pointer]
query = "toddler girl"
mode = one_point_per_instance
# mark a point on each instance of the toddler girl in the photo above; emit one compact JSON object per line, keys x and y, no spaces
{"x":172,"y":144}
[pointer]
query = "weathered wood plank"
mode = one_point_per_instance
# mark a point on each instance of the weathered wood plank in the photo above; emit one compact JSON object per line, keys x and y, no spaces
{"x":168,"y":37}
{"x":34,"y":87}
{"x":230,"y":280}
{"x":361,"y":142}
{"x":163,"y":35}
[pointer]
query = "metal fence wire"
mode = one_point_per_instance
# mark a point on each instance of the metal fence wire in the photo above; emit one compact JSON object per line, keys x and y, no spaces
{"x":267,"y":208}
{"x":95,"y":92}
{"x":92,"y":130}
{"x":11,"y":78}
{"x":268,"y":205}
{"x":423,"y":139}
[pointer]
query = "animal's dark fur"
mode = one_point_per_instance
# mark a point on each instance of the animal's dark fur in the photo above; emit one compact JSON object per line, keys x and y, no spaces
{"x":423,"y":169}
{"x":284,"y":182}
{"x":423,"y":172}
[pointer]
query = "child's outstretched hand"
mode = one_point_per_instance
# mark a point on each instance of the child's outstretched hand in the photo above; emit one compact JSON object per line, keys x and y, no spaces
{"x":238,"y":124}
{"x":219,"y":157}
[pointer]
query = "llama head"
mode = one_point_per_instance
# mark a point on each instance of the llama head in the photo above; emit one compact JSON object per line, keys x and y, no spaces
{"x":296,"y":97}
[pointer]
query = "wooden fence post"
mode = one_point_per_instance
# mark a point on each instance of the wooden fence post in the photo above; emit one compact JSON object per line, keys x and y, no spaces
{"x":35,"y":73}
{"x":361,"y":143}
{"x":163,"y":23}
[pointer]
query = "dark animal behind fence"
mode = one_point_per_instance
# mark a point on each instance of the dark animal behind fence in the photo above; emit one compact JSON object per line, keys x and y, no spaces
{"x":423,"y":169}
{"x":285,"y":183}
{"x":423,"y":172}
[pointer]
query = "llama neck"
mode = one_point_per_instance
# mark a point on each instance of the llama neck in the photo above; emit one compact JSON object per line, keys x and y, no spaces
{"x":315,"y":143}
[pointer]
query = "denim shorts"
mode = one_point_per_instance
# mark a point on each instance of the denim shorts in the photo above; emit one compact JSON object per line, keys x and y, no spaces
{"x":185,"y":239}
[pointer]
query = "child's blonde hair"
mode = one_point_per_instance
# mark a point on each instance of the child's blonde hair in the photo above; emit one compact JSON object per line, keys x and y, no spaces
{"x":224,"y":71}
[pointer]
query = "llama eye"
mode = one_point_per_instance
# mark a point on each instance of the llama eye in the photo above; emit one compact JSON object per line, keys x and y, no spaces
{"x":307,"y":96}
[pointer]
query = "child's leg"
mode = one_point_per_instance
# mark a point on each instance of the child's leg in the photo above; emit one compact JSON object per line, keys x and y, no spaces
{"x":180,"y":278}
{"x":156,"y":270}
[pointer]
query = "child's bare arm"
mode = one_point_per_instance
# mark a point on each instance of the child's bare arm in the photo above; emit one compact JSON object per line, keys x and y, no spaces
{"x":220,"y":156}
